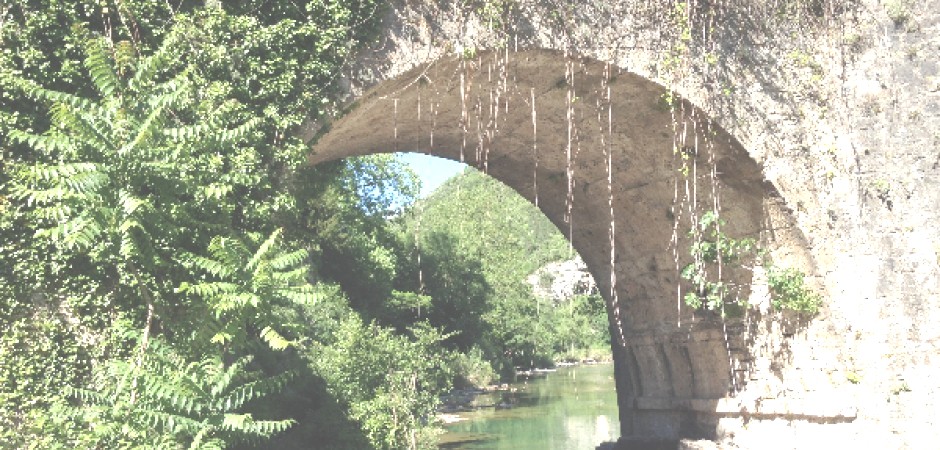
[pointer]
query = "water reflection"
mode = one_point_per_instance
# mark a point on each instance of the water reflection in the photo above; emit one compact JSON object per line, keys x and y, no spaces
{"x":573,"y":408}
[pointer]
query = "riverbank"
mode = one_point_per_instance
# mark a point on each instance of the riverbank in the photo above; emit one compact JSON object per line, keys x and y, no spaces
{"x":466,"y":400}
{"x":569,"y":407}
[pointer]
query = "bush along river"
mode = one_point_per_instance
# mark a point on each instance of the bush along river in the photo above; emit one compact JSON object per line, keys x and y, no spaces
{"x":569,"y":408}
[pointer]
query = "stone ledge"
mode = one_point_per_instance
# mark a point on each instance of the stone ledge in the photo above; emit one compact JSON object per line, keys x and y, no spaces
{"x":640,"y":443}
{"x":652,"y":337}
{"x":648,"y":444}
{"x":796,"y":408}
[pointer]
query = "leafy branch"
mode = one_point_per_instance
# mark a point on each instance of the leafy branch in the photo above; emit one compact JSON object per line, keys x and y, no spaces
{"x":788,"y":291}
{"x":179,"y":403}
{"x":243,"y":285}
{"x":710,"y":246}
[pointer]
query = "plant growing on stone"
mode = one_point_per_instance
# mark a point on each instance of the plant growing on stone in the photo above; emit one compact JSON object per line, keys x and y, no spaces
{"x":710,"y":246}
{"x":898,"y":11}
{"x":788,"y":291}
{"x":494,"y":12}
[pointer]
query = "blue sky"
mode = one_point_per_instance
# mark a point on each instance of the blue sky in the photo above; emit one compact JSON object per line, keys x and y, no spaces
{"x":432,"y":170}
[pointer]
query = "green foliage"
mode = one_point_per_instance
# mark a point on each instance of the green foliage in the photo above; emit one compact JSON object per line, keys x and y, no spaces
{"x":38,"y":355}
{"x":133,"y":184}
{"x":383,"y":184}
{"x":405,"y":308}
{"x":788,"y":291}
{"x":853,"y":377}
{"x":267,"y":54}
{"x":495,"y":13}
{"x":347,"y":218}
{"x":478,"y":241}
{"x":171,"y":403}
{"x":390,"y":383}
{"x":680,"y":23}
{"x":710,"y":246}
{"x":581,"y":323}
{"x":458,"y":289}
{"x":472,"y":370}
{"x":126,"y":157}
{"x":899,"y":11}
{"x":154,"y":202}
{"x":491,"y":216}
{"x":242,"y":286}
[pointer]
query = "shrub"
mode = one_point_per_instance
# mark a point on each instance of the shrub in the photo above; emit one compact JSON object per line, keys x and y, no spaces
{"x":788,"y":291}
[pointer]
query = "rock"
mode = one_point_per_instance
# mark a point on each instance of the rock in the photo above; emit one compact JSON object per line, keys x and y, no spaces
{"x":560,"y":281}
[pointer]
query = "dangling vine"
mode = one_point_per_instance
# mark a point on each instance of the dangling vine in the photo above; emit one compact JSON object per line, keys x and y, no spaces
{"x":605,"y":100}
{"x":535,"y":151}
{"x":569,"y":162}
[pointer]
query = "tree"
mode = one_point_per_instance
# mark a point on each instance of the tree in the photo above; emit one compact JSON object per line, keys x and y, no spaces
{"x":478,"y":241}
{"x":169,"y":402}
{"x":133,"y":185}
{"x":470,"y":247}
{"x":152,"y":195}
{"x":349,"y":224}
{"x":245,"y":288}
{"x":134,"y":189}
{"x":390,"y":383}
{"x":460,"y":294}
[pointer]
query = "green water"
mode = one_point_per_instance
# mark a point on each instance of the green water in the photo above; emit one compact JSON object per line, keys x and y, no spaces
{"x":573,"y":408}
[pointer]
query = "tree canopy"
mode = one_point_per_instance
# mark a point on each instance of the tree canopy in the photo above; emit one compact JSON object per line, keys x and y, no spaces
{"x":167,"y":256}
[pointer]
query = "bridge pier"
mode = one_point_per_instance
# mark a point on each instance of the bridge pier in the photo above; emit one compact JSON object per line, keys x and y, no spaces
{"x":670,"y":382}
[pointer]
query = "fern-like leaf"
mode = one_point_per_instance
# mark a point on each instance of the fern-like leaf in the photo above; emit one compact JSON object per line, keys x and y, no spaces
{"x":229,"y":252}
{"x":299,"y":296}
{"x":290,"y":276}
{"x":210,"y":290}
{"x":52,"y":144}
{"x":55,"y":172}
{"x":147,"y":68}
{"x":57,"y":212}
{"x":145,"y":132}
{"x":178,"y":401}
{"x":235,"y":301}
{"x":274,"y":339}
{"x":85,"y":183}
{"x":189,"y":133}
{"x":78,"y":233}
{"x":207,"y":265}
{"x":263,"y":250}
{"x":47,"y":196}
{"x":217,"y":191}
{"x":289,"y":259}
{"x":242,"y":394}
{"x":39,"y":93}
{"x":83,"y":127}
{"x":98,"y":61}
{"x":236,"y":134}
{"x":131,"y":204}
{"x":224,"y":379}
{"x":202,"y":441}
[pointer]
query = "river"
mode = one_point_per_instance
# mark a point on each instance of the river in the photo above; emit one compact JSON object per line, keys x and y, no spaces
{"x":573,"y":408}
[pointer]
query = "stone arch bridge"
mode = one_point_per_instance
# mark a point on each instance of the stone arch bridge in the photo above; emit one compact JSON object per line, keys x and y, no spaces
{"x":810,"y":127}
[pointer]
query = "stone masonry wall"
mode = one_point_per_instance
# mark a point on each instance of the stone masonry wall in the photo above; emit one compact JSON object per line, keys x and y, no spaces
{"x":838,"y":102}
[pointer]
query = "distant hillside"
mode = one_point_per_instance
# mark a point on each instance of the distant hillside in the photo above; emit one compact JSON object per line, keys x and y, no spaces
{"x":475,"y":242}
{"x":495,"y":222}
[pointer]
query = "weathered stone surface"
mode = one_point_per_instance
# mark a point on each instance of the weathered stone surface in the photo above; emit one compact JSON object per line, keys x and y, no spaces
{"x":821,"y":126}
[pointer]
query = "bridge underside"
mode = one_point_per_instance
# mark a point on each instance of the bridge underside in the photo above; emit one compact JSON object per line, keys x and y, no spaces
{"x":621,"y":167}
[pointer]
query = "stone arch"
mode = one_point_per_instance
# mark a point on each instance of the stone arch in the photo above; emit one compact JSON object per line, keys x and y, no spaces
{"x":538,"y":119}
